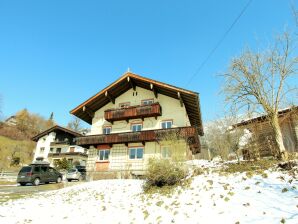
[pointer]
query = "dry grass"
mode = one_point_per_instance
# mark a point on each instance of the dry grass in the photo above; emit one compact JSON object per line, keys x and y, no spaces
{"x":250,"y":166}
{"x":23,"y":149}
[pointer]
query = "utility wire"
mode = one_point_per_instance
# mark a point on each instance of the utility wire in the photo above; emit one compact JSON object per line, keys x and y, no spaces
{"x":219,"y":42}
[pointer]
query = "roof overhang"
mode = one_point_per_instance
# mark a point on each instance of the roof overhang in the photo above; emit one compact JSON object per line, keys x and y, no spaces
{"x":190,"y":99}
{"x":55,"y":128}
{"x":263,"y":118}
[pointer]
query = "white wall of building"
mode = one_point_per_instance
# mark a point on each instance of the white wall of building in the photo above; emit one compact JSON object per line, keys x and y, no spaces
{"x":44,"y":142}
{"x":171,"y":110}
{"x":119,"y":153}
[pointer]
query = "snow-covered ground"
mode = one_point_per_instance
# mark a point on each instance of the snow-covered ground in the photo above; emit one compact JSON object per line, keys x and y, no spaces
{"x":211,"y":198}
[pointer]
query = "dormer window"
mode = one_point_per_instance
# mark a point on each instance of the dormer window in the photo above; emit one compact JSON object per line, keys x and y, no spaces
{"x":147,"y":102}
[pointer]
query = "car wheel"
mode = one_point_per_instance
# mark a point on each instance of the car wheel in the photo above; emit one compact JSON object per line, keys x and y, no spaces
{"x":22,"y":184}
{"x":36,"y":182}
{"x":46,"y":182}
{"x":59,"y":179}
{"x":69,"y":180}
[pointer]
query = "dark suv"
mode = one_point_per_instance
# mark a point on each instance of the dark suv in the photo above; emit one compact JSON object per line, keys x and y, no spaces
{"x":37,"y":173}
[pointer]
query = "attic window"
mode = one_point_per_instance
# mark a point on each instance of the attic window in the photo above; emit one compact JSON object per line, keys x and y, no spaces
{"x":124,"y":105}
{"x":147,"y":102}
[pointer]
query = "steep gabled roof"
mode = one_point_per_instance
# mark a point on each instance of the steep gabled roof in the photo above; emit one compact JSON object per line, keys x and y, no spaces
{"x":129,"y":80}
{"x":55,"y":128}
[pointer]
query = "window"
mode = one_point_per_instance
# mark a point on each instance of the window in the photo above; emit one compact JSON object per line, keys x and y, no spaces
{"x":124,"y":105}
{"x":136,"y":127}
{"x":107,"y":130}
{"x":165,"y":152}
{"x":71,"y":149}
{"x":36,"y":169}
{"x":103,"y":155}
{"x":41,"y":149}
{"x":58,"y":150}
{"x":147,"y":102}
{"x":51,"y":150}
{"x":166,"y":124}
{"x":136,"y":153}
{"x":44,"y":169}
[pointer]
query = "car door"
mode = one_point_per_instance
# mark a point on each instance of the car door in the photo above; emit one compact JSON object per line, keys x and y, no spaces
{"x":52,"y":174}
{"x":44,"y":174}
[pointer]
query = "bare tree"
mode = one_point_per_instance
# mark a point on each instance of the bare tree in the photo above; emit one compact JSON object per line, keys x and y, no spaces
{"x":75,"y":124}
{"x":222,"y":139}
{"x":260,"y":81}
{"x":295,"y":14}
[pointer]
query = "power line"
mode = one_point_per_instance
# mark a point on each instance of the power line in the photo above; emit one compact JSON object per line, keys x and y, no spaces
{"x":219,"y":42}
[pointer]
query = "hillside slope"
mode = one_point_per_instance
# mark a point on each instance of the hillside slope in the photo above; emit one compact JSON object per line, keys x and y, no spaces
{"x":211,"y":198}
{"x":10,"y":148}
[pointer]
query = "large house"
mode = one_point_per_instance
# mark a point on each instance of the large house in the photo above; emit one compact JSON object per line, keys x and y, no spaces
{"x":57,"y":143}
{"x":136,"y":118}
{"x":260,"y":132}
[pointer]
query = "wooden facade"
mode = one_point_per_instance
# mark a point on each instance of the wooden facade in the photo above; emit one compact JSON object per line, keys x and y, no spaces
{"x":262,"y":133}
{"x":188,"y":133}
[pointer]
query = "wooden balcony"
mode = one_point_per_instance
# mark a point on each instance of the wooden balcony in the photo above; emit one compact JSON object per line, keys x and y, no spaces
{"x":62,"y":154}
{"x":57,"y":143}
{"x":133,"y":112}
{"x":190,"y":134}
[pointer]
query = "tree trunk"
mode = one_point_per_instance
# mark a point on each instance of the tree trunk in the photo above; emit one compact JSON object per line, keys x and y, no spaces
{"x":209,"y":154}
{"x":281,"y":150}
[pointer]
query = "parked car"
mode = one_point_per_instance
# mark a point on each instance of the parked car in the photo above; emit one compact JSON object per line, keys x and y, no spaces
{"x":78,"y":173}
{"x":37,"y":173}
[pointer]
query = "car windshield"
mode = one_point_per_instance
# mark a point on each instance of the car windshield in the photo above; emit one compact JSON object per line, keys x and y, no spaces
{"x":72,"y":170}
{"x":25,"y":169}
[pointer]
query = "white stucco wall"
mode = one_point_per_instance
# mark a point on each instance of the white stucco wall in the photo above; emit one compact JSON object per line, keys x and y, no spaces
{"x":119,"y":154}
{"x":171,"y":110}
{"x":45,"y":142}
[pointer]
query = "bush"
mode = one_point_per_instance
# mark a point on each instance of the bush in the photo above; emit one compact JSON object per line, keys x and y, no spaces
{"x":164,"y":173}
{"x":15,"y":161}
{"x":62,"y":164}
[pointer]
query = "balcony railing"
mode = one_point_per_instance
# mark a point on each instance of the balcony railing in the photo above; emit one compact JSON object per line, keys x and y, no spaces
{"x":133,"y":112}
{"x":59,"y":143}
{"x":188,"y":133}
{"x":67,"y":154}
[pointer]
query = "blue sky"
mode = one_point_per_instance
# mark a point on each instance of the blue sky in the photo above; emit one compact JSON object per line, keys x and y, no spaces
{"x":56,"y":54}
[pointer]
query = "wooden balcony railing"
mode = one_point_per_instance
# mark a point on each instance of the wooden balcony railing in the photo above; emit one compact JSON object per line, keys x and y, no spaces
{"x":133,"y":112}
{"x":188,"y":133}
{"x":55,"y":143}
{"x":67,"y":154}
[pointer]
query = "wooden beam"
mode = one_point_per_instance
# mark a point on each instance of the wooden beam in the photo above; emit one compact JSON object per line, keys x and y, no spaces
{"x":88,"y":111}
{"x":132,"y":84}
{"x":180,"y":99}
{"x":111,"y":98}
{"x":154,"y":90}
